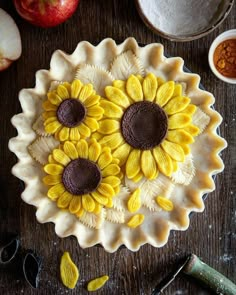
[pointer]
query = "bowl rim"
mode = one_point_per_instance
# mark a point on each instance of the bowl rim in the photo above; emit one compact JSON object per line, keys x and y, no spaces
{"x":181,"y":38}
{"x":223,"y":36}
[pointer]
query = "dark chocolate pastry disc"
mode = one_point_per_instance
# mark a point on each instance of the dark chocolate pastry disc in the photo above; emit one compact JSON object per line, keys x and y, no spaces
{"x":31,"y":268}
{"x":9,"y":249}
{"x":81,"y":176}
{"x":71,"y":112}
{"x":144,"y":125}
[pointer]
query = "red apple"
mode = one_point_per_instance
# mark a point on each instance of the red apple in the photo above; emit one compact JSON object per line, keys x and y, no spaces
{"x":46,"y":13}
{"x":10,"y":41}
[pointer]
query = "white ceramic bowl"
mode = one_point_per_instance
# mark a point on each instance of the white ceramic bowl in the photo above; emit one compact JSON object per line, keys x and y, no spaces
{"x":231,"y":34}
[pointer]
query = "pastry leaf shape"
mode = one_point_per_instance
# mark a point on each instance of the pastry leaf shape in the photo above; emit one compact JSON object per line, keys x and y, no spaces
{"x":185,"y":172}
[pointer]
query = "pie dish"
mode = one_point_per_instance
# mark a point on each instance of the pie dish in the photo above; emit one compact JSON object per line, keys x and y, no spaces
{"x":116,"y":144}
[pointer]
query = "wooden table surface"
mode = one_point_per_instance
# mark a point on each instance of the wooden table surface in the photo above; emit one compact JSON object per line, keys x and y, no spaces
{"x":211,"y":235}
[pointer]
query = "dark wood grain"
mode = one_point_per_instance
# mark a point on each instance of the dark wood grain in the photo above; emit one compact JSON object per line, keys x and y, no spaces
{"x":211,"y":234}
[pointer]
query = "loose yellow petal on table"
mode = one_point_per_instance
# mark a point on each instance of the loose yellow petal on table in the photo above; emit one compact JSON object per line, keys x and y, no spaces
{"x":117,"y":96}
{"x":122,"y":153}
{"x":176,"y":104}
{"x":52,"y":179}
{"x":108,"y":126}
{"x":60,"y":157}
{"x":179,"y":120}
{"x":174,"y":150}
{"x":133,"y":164}
{"x":136,"y":220}
{"x":163,"y":161}
{"x":165,"y":203}
{"x":134,"y":201}
{"x":82,"y":148}
{"x":68,"y":271}
{"x":97,"y":283}
{"x":75,"y":204}
{"x":76,"y":86}
{"x":179,"y":136}
{"x":70,"y":150}
{"x":63,"y":92}
{"x":64,"y":200}
{"x":148,"y":164}
{"x":88,"y":203}
{"x":94,"y":151}
{"x":150,"y":87}
{"x":53,"y":169}
{"x":85,"y":92}
{"x":111,"y":110}
{"x":165,"y":92}
{"x":134,"y":88}
{"x":64,"y":134}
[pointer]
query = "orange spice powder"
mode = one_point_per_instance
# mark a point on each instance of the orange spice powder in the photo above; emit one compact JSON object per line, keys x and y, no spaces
{"x":224,"y":58}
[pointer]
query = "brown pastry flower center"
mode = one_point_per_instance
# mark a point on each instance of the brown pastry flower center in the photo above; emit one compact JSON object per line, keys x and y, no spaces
{"x":81,"y":176}
{"x":71,"y":112}
{"x":144,"y":125}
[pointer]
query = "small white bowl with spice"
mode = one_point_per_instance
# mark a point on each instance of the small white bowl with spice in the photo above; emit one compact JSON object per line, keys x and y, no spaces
{"x":222,"y":56}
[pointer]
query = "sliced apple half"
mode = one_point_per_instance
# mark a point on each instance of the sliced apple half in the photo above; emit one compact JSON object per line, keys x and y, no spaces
{"x":10,"y":40}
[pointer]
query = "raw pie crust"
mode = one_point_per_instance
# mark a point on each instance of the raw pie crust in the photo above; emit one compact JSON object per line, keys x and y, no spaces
{"x":100,"y":65}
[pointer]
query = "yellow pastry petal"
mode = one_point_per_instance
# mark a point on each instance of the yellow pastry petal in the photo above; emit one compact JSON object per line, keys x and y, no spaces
{"x":174,"y":150}
{"x":75,"y":204}
{"x":82,"y":148}
{"x":140,"y":78}
{"x":134,"y":201}
{"x":108,"y":126}
{"x":56,"y":191}
{"x":52,"y":127}
{"x":64,"y":200}
{"x":70,"y":150}
{"x":85,"y":92}
{"x":106,"y":190}
{"x":63,"y":92}
{"x":53,"y":169}
{"x":52,"y":179}
{"x":112,"y":141}
{"x":91,"y":123}
{"x":96,"y":136}
{"x":134,"y":88}
{"x":136,"y":220}
{"x":95,"y":111}
{"x":117,"y":96}
{"x":112,"y":169}
{"x":177,"y":90}
{"x":97,"y":208}
{"x":165,"y":203}
{"x":175,"y":165}
{"x":160,"y":81}
{"x":119,"y":84}
{"x":97,"y":283}
{"x":185,"y":148}
{"x":51,"y":160}
{"x":192,"y":129}
{"x":190,"y":109}
{"x":76,"y":86}
{"x":111,"y":180}
{"x":133,"y":163}
{"x":80,"y":213}
{"x":50,"y":120}
{"x":163,"y":160}
{"x":116,"y":189}
{"x":179,"y":136}
{"x":68,"y":87}
{"x":50,"y":114}
{"x":148,"y":164}
{"x":150,"y":87}
{"x":104,"y":160}
{"x":92,"y":100}
{"x":122,"y":153}
{"x":99,"y":198}
{"x":176,"y":104}
{"x":68,"y":271}
{"x":88,"y":203}
{"x":84,"y":130}
{"x":64,"y":134}
{"x":48,"y":106}
{"x":94,"y":151}
{"x":109,"y":203}
{"x":179,"y":120}
{"x":74,"y":134}
{"x":138,"y":177}
{"x":60,"y":157}
{"x":54,"y":98}
{"x":165,"y":92}
{"x":111,"y":110}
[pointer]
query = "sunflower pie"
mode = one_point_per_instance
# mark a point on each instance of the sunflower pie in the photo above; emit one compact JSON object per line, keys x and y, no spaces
{"x":116,"y":144}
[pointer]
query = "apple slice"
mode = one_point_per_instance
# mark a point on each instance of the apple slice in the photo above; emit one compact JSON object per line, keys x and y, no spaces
{"x":10,"y":40}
